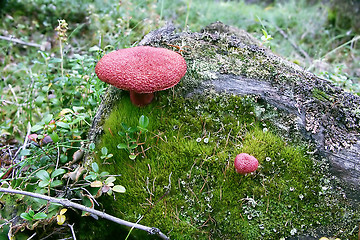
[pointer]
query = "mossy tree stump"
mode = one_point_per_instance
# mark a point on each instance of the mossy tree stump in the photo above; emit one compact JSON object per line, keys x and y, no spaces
{"x":237,"y":96}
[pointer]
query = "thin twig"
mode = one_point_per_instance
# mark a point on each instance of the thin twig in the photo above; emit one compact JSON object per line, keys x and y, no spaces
{"x":90,"y":196}
{"x":15,"y":40}
{"x":26,"y":140}
{"x":12,"y":103}
{"x":32,"y":236}
{"x":227,"y":139}
{"x":71,"y":226}
{"x":16,"y":99}
{"x":341,"y":46}
{"x":67,"y":203}
{"x":297,"y":48}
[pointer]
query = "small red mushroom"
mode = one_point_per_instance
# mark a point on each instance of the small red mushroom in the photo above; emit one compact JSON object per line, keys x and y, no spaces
{"x":245,"y":163}
{"x":142,"y":71}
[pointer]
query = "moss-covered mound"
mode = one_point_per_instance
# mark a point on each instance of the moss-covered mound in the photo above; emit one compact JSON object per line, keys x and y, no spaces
{"x":183,"y":181}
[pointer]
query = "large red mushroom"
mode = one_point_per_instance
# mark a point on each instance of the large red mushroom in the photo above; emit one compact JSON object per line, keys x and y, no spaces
{"x":141,"y":71}
{"x":245,"y":163}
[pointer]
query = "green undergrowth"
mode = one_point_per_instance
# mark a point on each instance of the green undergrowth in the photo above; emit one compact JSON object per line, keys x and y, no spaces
{"x":184,"y":183}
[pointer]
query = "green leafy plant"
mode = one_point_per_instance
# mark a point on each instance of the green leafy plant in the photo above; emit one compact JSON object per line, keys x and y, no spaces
{"x":47,"y":179}
{"x":340,"y":78}
{"x":105,"y":155}
{"x":31,"y":216}
{"x":131,"y":136}
{"x":265,"y":38}
{"x":94,"y":174}
{"x":103,"y":181}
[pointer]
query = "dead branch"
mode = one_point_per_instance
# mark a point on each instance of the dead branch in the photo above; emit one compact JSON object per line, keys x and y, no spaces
{"x":294,"y":45}
{"x":68,"y":203}
{"x":18,"y":41}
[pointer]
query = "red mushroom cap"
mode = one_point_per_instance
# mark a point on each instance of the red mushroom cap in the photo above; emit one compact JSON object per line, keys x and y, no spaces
{"x":245,"y":163}
{"x":141,"y":69}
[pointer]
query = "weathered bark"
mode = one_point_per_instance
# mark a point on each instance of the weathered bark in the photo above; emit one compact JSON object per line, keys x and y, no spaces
{"x":225,"y":59}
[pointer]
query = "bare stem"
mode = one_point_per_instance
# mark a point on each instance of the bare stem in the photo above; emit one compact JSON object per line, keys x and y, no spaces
{"x":18,"y":41}
{"x":62,"y":60}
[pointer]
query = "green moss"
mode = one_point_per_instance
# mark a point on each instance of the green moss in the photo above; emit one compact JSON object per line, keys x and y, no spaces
{"x":184,"y":183}
{"x":321,"y":95}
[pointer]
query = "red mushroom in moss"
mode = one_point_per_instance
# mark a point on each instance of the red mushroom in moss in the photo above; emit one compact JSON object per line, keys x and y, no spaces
{"x":245,"y":163}
{"x":142,"y":71}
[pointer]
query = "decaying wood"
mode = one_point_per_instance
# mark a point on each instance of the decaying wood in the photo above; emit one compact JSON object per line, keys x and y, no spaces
{"x":222,"y":58}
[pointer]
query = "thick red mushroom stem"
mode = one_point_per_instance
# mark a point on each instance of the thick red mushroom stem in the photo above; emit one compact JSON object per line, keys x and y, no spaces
{"x":141,"y":99}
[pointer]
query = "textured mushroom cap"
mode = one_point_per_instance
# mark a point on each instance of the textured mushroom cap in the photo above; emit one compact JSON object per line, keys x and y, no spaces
{"x":141,"y":69}
{"x":245,"y":163}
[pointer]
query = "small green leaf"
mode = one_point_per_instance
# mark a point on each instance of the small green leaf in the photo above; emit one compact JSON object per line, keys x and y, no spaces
{"x":110,"y":180}
{"x":39,"y":100}
{"x":54,"y":137}
{"x":56,"y":183}
{"x":39,"y":216}
{"x":92,"y":146}
{"x":25,"y":152}
{"x":104,"y":151}
{"x":119,"y":189}
{"x":46,"y":89}
{"x":31,"y":213}
{"x":26,"y":216}
{"x":94,"y":49}
{"x":132,"y":130}
{"x":132,"y":157}
{"x":47,"y":118}
{"x":124,"y":126}
{"x":122,"y":146}
{"x":55,"y":60}
{"x":96,"y":184}
{"x":45,"y":55}
{"x":95,"y":167}
{"x":43,"y":175}
{"x":264,"y":32}
{"x":36,"y":128}
{"x":63,"y":125}
{"x":102,"y":174}
{"x":57,"y":172}
{"x":43,"y":183}
{"x":133,"y":146}
{"x":78,"y":109}
{"x":143,"y":122}
{"x":91,"y":176}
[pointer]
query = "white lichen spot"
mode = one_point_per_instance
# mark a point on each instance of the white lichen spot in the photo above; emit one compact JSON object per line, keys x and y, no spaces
{"x":293,"y":231}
